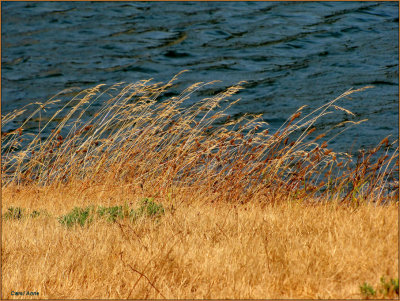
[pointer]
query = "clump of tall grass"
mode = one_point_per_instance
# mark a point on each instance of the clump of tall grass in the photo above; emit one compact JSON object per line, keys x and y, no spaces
{"x":141,"y":137}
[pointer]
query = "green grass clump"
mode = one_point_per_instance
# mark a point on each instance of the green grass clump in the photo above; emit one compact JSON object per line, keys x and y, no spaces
{"x":84,"y":216}
{"x":14,"y":213}
{"x":385,"y":289}
{"x":79,"y":216}
{"x":389,"y":287}
{"x":148,"y":208}
{"x":35,"y":213}
{"x":112,"y":213}
{"x":18,"y":213}
{"x":367,"y":290}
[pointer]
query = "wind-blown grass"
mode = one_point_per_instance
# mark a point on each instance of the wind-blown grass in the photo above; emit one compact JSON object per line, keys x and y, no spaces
{"x":139,"y":137}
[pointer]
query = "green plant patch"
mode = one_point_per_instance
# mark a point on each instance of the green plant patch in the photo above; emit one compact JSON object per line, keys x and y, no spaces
{"x":389,"y":287}
{"x":78,"y":216}
{"x":14,"y":213}
{"x":112,"y":213}
{"x":386,"y":288}
{"x":84,"y":216}
{"x":35,"y":213}
{"x":148,"y":208}
{"x":18,"y":213}
{"x":367,"y":290}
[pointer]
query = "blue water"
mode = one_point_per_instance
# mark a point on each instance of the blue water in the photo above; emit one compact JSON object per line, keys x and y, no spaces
{"x":290,"y":53}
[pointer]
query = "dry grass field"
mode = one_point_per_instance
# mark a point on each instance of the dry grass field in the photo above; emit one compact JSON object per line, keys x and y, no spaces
{"x":197,"y":250}
{"x":148,"y":198}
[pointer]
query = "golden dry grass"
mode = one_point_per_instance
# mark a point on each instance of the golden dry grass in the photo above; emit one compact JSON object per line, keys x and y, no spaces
{"x":136,"y":138}
{"x":248,"y":213}
{"x":197,"y":249}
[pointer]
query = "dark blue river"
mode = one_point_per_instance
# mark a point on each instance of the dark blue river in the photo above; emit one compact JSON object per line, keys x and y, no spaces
{"x":290,"y":54}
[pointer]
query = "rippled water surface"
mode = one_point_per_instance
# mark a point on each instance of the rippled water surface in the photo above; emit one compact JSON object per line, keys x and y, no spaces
{"x":289,"y":53}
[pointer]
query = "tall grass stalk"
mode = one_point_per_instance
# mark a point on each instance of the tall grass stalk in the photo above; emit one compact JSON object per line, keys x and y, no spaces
{"x":138,"y":136}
